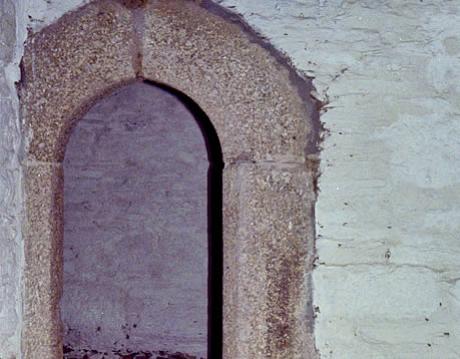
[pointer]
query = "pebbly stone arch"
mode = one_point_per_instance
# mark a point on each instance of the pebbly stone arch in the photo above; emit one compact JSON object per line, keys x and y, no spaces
{"x":268,"y":129}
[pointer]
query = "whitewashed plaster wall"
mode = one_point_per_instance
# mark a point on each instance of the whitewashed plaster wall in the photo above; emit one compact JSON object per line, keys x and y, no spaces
{"x":10,"y":185}
{"x":388,"y":214}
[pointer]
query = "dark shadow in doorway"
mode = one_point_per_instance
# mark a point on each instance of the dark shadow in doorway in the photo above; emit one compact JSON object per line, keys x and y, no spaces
{"x":215,"y":231}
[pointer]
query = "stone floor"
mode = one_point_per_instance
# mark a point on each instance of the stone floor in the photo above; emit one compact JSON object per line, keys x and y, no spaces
{"x":71,"y":353}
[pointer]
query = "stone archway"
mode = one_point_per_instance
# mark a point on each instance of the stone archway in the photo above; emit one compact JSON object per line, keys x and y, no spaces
{"x":263,"y":117}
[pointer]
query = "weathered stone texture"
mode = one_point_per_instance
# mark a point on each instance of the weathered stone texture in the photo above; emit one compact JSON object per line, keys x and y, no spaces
{"x":257,"y":111}
{"x":268,"y":250}
{"x":43,"y":265}
{"x":83,"y":56}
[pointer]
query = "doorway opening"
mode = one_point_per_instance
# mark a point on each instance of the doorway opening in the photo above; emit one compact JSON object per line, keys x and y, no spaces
{"x":269,"y":129}
{"x":143,"y":229}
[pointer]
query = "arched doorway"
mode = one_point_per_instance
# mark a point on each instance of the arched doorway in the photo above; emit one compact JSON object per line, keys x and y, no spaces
{"x":141,"y":169}
{"x":266,"y":122}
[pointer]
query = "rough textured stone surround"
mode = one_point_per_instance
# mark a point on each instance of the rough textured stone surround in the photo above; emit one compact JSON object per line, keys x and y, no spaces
{"x":265,"y":121}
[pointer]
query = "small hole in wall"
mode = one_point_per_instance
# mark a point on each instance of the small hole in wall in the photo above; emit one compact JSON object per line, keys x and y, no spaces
{"x":142,"y":229}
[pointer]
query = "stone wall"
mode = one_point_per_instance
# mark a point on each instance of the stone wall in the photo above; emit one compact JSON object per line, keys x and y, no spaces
{"x":388,"y":210}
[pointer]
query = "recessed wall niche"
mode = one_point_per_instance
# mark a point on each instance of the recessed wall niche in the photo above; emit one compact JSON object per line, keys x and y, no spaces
{"x":268,"y":128}
{"x":135,"y":228}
